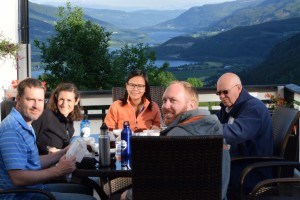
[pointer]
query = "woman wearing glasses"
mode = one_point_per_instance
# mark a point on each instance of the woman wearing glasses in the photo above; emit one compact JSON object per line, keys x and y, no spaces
{"x":135,"y":107}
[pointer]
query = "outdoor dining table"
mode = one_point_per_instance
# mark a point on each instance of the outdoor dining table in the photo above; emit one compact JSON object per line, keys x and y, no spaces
{"x":115,"y":170}
{"x":111,"y":172}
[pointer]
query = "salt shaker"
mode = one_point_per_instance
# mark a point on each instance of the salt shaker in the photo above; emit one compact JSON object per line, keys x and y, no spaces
{"x":104,"y":146}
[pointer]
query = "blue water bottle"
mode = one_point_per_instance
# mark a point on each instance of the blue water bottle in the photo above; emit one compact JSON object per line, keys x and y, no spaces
{"x":125,"y":144}
{"x":85,"y":128}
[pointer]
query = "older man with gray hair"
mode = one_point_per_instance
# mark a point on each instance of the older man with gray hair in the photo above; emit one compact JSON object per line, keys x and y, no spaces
{"x":247,"y":126}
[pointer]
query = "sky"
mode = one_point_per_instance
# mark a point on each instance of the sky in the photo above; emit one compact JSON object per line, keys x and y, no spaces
{"x":132,"y":4}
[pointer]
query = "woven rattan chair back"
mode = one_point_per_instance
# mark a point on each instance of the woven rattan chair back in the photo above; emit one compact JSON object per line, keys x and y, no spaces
{"x":118,"y":93}
{"x":283,"y":121}
{"x":117,"y":185}
{"x":178,"y":168}
{"x":280,"y":188}
{"x":6,"y":107}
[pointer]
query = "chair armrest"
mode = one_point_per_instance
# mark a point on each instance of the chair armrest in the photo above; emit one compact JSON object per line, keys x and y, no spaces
{"x":254,"y":159}
{"x":27,"y":190}
{"x":262,"y":186}
{"x":269,"y":164}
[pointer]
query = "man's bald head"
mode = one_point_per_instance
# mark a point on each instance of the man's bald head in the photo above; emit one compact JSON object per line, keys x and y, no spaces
{"x":229,"y":87}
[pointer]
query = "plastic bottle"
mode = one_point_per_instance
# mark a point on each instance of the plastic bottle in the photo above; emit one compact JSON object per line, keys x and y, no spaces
{"x":104,"y":146}
{"x":85,"y":127}
{"x":125,"y":144}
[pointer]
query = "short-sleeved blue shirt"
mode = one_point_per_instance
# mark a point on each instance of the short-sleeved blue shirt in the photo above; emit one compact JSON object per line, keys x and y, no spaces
{"x":18,"y":150}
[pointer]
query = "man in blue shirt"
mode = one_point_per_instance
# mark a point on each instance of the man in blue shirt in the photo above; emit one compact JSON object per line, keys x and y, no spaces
{"x":20,"y":164}
{"x":247,"y":126}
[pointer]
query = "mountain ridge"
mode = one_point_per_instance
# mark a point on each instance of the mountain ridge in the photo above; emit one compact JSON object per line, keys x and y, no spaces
{"x":241,"y":43}
{"x":201,"y":17}
{"x":267,"y":10}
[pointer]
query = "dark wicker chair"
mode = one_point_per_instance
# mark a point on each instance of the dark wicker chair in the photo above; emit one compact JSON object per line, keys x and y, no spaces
{"x":283,"y":120}
{"x":44,"y":192}
{"x":117,"y":185}
{"x":278,"y":188}
{"x":6,"y":106}
{"x":181,"y":168}
{"x":118,"y":93}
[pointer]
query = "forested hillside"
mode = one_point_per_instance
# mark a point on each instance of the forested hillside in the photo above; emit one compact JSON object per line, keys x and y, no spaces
{"x":200,"y":17}
{"x":247,"y":45}
{"x":268,"y":10}
{"x":282,"y":66}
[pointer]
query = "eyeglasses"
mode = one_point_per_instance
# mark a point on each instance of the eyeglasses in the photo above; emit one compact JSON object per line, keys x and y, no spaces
{"x":131,"y":86}
{"x":224,"y":91}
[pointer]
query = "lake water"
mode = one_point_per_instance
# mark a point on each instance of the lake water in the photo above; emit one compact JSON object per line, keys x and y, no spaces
{"x":158,"y":37}
{"x":159,"y":63}
{"x":173,"y":63}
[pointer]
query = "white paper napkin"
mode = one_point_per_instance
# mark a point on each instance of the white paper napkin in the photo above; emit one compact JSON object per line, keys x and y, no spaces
{"x":77,"y":149}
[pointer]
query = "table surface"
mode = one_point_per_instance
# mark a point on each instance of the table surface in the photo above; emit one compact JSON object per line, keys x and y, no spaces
{"x":108,"y":172}
{"x":113,"y":171}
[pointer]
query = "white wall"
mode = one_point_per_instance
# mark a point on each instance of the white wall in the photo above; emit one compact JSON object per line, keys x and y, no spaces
{"x":9,"y":29}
